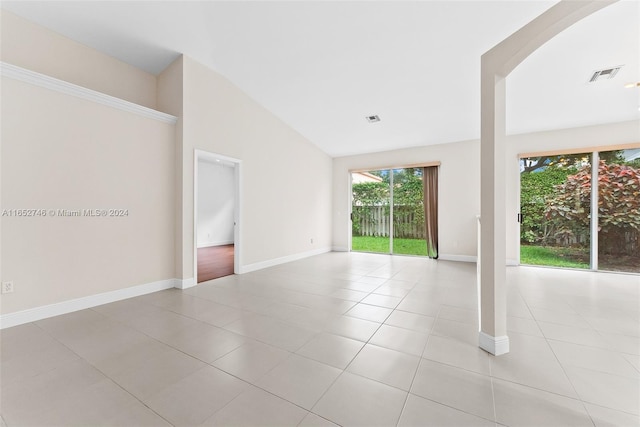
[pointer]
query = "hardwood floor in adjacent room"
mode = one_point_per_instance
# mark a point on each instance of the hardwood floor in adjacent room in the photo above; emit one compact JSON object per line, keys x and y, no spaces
{"x":214,"y":262}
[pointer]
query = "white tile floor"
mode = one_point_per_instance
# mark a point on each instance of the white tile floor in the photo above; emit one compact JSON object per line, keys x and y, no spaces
{"x":341,"y":338}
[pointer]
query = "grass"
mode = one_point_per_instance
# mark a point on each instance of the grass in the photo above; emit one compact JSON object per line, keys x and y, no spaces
{"x":553,"y":256}
{"x":381,"y":245}
{"x":531,"y":255}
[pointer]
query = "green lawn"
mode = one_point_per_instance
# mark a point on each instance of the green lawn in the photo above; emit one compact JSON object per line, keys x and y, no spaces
{"x":552,"y":256}
{"x":381,"y":245}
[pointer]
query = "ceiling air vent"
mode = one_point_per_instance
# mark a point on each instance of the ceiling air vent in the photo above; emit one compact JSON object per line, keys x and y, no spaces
{"x":373,"y":119}
{"x":606,"y":74}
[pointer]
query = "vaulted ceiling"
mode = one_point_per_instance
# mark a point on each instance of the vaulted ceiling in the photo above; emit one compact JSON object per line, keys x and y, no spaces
{"x":323,"y":66}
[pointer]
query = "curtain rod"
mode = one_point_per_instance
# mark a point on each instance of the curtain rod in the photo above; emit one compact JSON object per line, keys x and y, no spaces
{"x":414,"y":165}
{"x":580,"y":150}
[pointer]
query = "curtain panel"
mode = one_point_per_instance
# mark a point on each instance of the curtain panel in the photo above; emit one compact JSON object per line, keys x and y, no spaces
{"x":430,"y":183}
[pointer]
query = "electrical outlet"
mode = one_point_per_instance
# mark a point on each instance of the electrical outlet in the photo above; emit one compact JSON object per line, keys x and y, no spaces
{"x":7,"y":287}
{"x":312,"y":241}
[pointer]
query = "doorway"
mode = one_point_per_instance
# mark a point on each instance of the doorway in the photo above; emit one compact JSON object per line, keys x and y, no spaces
{"x":216,"y":216}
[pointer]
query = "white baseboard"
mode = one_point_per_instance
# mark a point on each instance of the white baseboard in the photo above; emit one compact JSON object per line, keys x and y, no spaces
{"x":185,"y":283}
{"x":459,"y":258}
{"x":277,"y":261}
{"x":64,"y":307}
{"x":340,"y":249}
{"x":219,"y":243}
{"x":494,"y":345}
{"x":471,"y":258}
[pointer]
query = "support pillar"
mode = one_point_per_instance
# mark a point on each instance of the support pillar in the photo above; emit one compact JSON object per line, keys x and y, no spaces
{"x":496,"y":64}
{"x":493,"y":297}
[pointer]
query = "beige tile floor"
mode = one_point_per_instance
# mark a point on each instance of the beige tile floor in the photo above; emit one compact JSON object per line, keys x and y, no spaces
{"x":340,"y":338}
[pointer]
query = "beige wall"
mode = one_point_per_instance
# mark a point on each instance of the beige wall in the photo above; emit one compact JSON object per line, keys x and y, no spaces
{"x":286,"y":181}
{"x":62,"y":152}
{"x":36,"y":48}
{"x":170,"y":100}
{"x":459,"y":186}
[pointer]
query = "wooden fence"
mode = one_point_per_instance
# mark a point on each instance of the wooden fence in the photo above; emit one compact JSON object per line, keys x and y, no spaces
{"x":375,"y":221}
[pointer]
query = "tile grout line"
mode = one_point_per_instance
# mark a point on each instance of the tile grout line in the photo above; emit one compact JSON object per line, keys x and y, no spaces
{"x":288,"y":357}
{"x":546,"y":340}
{"x":354,"y":357}
{"x":406,"y":399}
{"x":212,"y":366}
{"x":103,"y":373}
{"x":244,"y":292}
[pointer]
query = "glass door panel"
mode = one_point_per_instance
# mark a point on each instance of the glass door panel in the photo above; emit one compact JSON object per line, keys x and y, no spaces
{"x":619,"y":211}
{"x":555,"y":208}
{"x":408,"y":212}
{"x":371,"y":211}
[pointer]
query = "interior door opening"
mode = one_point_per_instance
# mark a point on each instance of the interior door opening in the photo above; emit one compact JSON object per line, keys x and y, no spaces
{"x":216,"y":216}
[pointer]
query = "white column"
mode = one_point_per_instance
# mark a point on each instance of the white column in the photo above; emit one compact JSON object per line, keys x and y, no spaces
{"x":493,"y":255}
{"x":496,"y":64}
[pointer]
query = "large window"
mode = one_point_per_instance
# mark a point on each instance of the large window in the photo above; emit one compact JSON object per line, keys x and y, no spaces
{"x":581,"y":210}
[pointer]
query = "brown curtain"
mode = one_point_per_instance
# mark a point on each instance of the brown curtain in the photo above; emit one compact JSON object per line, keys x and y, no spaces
{"x":430,"y":185}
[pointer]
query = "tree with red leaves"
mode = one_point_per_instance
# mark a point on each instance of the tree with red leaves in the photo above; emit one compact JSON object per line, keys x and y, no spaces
{"x":618,"y":207}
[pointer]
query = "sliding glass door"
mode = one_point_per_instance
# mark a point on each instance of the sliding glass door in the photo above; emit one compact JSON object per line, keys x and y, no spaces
{"x":555,"y":211}
{"x":581,"y":210}
{"x":371,"y":211}
{"x":388,"y":213}
{"x":408,"y":212}
{"x":619,"y":211}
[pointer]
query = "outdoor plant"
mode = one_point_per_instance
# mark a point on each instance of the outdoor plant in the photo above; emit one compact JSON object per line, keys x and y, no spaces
{"x":618,"y":207}
{"x":535,"y":188}
{"x":369,"y":198}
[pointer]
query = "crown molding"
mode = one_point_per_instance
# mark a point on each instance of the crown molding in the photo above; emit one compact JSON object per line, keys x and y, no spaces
{"x":22,"y":74}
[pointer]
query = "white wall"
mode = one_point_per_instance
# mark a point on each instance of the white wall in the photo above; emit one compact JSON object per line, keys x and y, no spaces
{"x":36,"y":48}
{"x":216,"y":200}
{"x":170,"y":94}
{"x":62,"y":152}
{"x":286,"y":181}
{"x":459,"y":181}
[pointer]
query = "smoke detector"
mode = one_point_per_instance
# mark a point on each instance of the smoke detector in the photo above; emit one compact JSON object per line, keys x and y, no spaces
{"x":373,"y":119}
{"x":606,"y":74}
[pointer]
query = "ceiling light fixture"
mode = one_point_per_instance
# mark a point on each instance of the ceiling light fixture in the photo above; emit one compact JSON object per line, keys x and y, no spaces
{"x":373,"y":119}
{"x":632,"y":85}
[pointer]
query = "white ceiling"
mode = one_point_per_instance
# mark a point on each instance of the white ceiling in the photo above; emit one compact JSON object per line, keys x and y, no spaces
{"x":322,"y":66}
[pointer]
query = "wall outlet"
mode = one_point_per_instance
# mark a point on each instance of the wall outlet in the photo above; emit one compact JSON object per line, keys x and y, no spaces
{"x":7,"y":287}
{"x":312,"y":241}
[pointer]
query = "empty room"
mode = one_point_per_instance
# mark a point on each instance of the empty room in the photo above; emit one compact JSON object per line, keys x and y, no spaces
{"x":320,"y":213}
